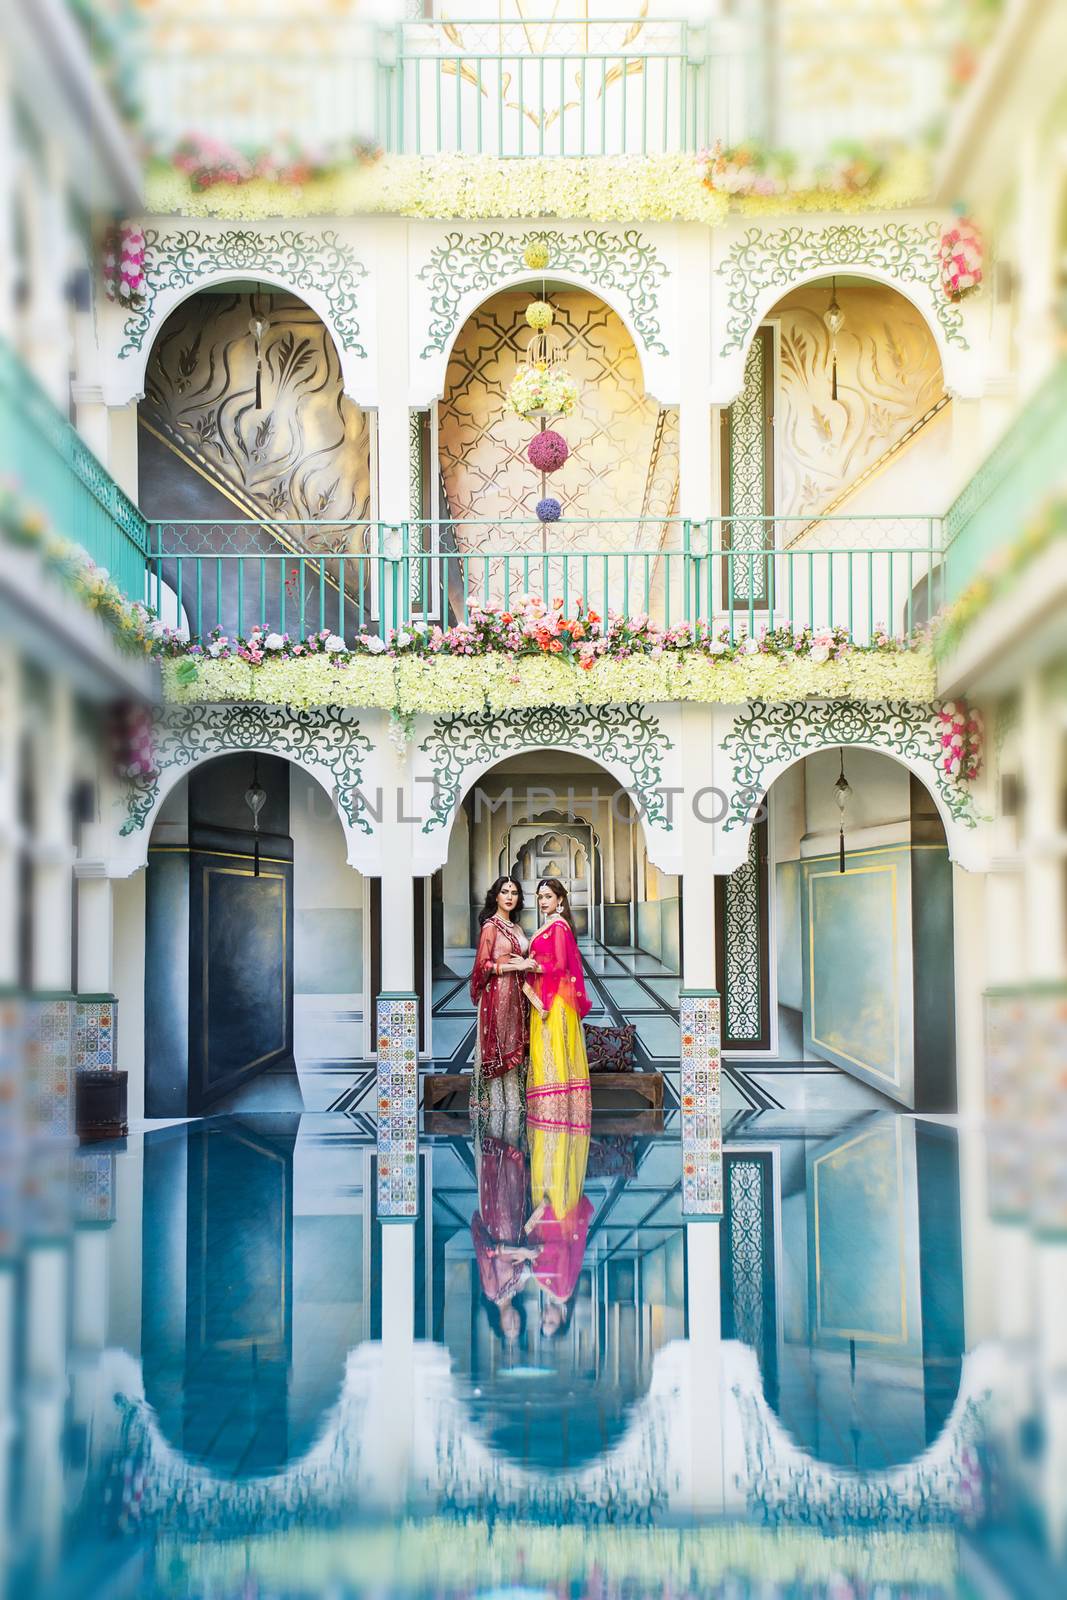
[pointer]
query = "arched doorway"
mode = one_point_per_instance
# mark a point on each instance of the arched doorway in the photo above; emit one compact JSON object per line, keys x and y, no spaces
{"x":541,"y":810}
{"x":256,"y":943}
{"x":254,"y":468}
{"x":831,"y":463}
{"x":618,"y":488}
{"x":850,"y":945}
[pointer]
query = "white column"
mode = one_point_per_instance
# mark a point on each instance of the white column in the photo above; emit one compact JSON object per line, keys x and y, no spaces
{"x":121,"y":453}
{"x":968,"y":921}
{"x":695,"y":497}
{"x":10,"y":826}
{"x":47,"y":345}
{"x":44,"y":1355}
{"x":703,"y":1305}
{"x":1043,"y":861}
{"x":8,"y":198}
{"x":53,"y":847}
{"x":393,"y":288}
{"x":398,"y":909}
{"x":96,"y":928}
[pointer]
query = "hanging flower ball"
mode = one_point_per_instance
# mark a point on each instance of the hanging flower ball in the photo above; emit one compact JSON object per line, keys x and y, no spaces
{"x":548,"y":390}
{"x":536,"y":255}
{"x":547,"y":451}
{"x":548,"y":510}
{"x":539,"y":315}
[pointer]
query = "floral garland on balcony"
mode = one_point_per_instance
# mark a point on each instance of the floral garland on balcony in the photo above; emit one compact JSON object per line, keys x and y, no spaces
{"x":997,"y":576}
{"x":209,"y":163}
{"x":134,"y":626}
{"x":653,"y":188}
{"x":539,"y":655}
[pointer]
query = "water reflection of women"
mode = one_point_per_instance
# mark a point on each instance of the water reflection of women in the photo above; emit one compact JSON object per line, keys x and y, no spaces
{"x":502,"y":1251}
{"x":558,"y":1226}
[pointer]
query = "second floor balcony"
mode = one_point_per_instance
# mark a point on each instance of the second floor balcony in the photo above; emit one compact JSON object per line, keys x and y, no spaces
{"x":512,"y":85}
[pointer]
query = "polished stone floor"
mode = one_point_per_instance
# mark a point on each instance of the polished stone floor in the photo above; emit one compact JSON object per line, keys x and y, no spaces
{"x":230,"y":1377}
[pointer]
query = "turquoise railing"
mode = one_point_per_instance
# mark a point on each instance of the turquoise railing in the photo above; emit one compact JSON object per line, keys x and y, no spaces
{"x":52,"y":467}
{"x":1019,"y":474}
{"x":738,"y":574}
{"x":603,"y":86}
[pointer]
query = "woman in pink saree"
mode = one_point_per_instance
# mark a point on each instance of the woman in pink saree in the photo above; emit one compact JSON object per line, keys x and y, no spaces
{"x":557,"y":1087}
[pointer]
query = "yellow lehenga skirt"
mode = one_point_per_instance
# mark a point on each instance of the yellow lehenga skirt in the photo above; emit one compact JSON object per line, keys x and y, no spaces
{"x":557,"y":1107}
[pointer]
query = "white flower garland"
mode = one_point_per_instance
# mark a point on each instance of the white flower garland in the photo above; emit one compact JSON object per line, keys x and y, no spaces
{"x":415,"y":685}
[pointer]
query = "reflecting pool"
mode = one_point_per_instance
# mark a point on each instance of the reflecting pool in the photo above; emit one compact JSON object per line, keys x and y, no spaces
{"x":230,"y":1376}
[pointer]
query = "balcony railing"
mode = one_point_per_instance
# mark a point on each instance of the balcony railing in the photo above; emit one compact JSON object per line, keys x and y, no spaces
{"x":539,"y":86}
{"x":737,"y":574}
{"x":54,"y":469}
{"x":610,"y":86}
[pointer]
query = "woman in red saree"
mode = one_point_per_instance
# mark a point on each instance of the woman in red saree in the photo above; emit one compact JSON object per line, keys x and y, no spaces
{"x":501,"y":1250}
{"x":500,"y":965}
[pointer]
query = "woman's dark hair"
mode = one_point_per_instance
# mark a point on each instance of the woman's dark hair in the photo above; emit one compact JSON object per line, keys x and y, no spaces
{"x":491,"y":908}
{"x":564,"y":903}
{"x":566,"y":1316}
{"x":492,"y":1312}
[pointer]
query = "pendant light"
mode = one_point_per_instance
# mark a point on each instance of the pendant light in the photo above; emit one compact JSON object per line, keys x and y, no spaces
{"x":842,"y":792}
{"x":258,"y":324}
{"x":255,"y":800}
{"x":834,"y":319}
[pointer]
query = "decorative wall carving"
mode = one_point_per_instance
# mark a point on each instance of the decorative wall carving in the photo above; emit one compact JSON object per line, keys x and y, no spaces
{"x":763,"y":736}
{"x":624,"y":263}
{"x":329,"y":737}
{"x":305,"y":455}
{"x":621,"y":457}
{"x":742,"y":965}
{"x":889,"y":377}
{"x":629,"y":735}
{"x":317,"y":262}
{"x":775,"y":258}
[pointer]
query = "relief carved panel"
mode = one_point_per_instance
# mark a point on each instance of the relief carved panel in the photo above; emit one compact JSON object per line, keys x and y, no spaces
{"x":304,"y":455}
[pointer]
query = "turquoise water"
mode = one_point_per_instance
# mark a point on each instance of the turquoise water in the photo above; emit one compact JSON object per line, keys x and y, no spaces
{"x":230,"y":1378}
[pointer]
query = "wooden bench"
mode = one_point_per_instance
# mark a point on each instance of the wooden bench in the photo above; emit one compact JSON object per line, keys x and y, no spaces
{"x":439,"y":1088}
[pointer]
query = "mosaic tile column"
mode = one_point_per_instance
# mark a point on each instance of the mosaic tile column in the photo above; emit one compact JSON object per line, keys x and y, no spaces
{"x":398,"y":1105}
{"x":1008,"y":1092}
{"x":1047,"y":1037}
{"x":95,"y":1032}
{"x":700,"y":1018}
{"x":49,"y":1093}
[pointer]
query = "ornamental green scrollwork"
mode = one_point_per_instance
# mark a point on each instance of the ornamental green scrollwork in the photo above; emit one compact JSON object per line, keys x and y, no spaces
{"x":305,"y":261}
{"x":625,"y":734}
{"x":327,"y":736}
{"x":763,"y":736}
{"x":624,"y":262}
{"x":906,"y":252}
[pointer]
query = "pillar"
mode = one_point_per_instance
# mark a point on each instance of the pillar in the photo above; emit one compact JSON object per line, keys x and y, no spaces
{"x":10,"y":826}
{"x":707,"y":1488}
{"x":53,"y":847}
{"x":397,"y":1041}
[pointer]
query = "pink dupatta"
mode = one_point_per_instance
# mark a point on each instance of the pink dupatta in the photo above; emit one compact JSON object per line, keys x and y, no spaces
{"x":556,"y":950}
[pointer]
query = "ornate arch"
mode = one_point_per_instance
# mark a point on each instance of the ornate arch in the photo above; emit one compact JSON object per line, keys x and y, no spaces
{"x":623,"y":268}
{"x":766,"y":740}
{"x":317,"y":267}
{"x":760,"y":266}
{"x":628,"y":741}
{"x":327,"y":743}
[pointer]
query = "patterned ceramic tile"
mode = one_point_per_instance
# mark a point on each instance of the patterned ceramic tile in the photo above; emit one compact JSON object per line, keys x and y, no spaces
{"x":398,"y":1105}
{"x":93,"y":1186}
{"x":49,"y":1097}
{"x":95,"y":1031}
{"x":1007,"y":1091}
{"x":1047,"y":1036}
{"x":700,"y":1018}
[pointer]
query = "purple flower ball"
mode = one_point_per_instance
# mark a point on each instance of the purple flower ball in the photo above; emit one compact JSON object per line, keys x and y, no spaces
{"x":547,"y":451}
{"x":548,"y":510}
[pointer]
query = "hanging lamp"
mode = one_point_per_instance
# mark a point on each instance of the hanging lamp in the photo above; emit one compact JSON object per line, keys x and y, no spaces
{"x":834,"y":319}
